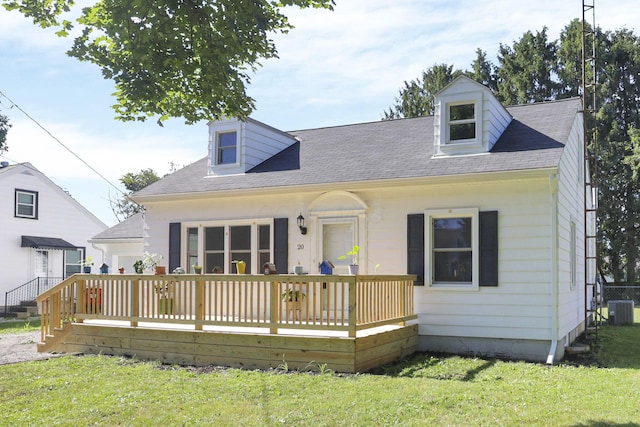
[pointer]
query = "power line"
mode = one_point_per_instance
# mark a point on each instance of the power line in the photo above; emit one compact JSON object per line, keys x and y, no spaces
{"x":13,"y":104}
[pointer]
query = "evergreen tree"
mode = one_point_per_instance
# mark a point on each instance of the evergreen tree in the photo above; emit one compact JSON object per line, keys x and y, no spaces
{"x":527,"y":70}
{"x":618,"y":117}
{"x":416,"y":98}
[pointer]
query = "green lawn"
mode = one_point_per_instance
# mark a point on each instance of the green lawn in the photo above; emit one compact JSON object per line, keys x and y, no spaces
{"x":17,"y":326}
{"x":425,"y":390}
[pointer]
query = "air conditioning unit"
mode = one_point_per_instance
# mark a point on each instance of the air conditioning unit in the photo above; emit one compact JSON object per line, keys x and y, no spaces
{"x":621,"y":312}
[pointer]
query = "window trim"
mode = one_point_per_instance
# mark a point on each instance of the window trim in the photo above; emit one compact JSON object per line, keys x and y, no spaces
{"x":215,"y":168}
{"x":17,"y":204}
{"x":219,"y":150}
{"x":573,"y":255}
{"x":451,"y":123}
{"x":430,"y":215}
{"x":443,"y":146}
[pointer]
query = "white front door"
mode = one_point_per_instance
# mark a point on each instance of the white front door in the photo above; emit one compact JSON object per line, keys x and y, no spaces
{"x":41,"y":263}
{"x":338,"y":238}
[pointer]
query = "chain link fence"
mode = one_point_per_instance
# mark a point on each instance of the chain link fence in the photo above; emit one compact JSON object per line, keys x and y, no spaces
{"x":615,"y":292}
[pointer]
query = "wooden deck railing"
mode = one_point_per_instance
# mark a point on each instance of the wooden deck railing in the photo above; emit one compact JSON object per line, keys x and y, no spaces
{"x":318,"y":302}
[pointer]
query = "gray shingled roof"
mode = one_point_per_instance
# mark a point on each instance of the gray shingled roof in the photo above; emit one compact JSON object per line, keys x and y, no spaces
{"x":130,"y":228}
{"x":386,"y":150}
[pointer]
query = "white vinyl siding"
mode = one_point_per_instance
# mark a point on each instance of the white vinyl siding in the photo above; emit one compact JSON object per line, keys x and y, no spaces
{"x":570,"y":211}
{"x":519,"y":308}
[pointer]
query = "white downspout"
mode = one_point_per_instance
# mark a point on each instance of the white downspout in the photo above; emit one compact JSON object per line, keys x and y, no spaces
{"x":553,"y":185}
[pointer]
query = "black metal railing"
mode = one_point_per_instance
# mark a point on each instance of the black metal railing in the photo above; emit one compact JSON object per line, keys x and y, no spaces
{"x":28,"y":292}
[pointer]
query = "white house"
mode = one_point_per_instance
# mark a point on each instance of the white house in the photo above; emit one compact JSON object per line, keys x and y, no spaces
{"x":44,"y":231}
{"x":484,"y":203}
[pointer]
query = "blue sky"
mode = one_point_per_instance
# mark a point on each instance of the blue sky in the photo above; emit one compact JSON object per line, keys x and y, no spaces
{"x":335,"y":68}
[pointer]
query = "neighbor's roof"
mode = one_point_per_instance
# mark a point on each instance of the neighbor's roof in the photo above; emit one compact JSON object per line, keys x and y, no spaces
{"x":385,"y":150}
{"x":130,"y":228}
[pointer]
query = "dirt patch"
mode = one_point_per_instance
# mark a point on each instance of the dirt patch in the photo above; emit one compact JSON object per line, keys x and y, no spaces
{"x":22,"y":347}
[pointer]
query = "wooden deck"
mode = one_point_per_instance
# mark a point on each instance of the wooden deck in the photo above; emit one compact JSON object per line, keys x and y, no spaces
{"x":349,"y":323}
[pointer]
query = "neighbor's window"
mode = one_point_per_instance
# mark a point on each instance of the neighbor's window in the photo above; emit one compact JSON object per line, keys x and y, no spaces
{"x":72,"y":262}
{"x":226,"y":143}
{"x":462,"y":122}
{"x":26,"y":204}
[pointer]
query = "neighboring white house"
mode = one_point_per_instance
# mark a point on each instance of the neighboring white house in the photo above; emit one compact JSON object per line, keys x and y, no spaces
{"x":123,"y":244}
{"x":483,"y":203}
{"x":43,"y":232}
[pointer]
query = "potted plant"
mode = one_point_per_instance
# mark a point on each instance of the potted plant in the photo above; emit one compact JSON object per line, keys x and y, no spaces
{"x":86,"y":264}
{"x":353,"y":253}
{"x":197,"y":269}
{"x":291,"y":295}
{"x":152,"y":261}
{"x":292,"y":300}
{"x":298,"y":268}
{"x":165,"y":297}
{"x":138,"y":266}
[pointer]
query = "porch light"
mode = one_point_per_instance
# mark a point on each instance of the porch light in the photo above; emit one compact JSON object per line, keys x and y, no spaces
{"x":303,"y":229}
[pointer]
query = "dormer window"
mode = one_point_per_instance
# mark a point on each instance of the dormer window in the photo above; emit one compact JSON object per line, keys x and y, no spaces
{"x":236,"y":146}
{"x":468,"y":119}
{"x":462,"y":123}
{"x":226,"y":147}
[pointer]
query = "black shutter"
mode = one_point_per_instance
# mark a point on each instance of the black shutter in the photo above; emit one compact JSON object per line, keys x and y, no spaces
{"x":415,"y":247}
{"x":281,"y":245}
{"x":489,"y":248}
{"x":174,"y":246}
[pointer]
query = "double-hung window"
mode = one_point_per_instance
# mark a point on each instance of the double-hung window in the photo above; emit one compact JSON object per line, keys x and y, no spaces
{"x":226,"y":147}
{"x":26,"y":204}
{"x":461,"y":122}
{"x":453,"y":247}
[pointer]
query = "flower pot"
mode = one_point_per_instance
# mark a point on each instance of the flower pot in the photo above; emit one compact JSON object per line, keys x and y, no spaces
{"x":354,"y":269}
{"x":161,"y":269}
{"x":197,"y":270}
{"x":297,"y":269}
{"x":86,"y":270}
{"x":165,"y":306}
{"x":121,"y":270}
{"x":292,"y":309}
{"x":241,"y":266}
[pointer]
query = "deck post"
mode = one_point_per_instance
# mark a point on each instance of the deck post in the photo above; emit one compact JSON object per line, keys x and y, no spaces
{"x":135,"y":301}
{"x":353,"y":306}
{"x":82,"y":299}
{"x":273,"y":306}
{"x":55,"y":313}
{"x":199,"y":300}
